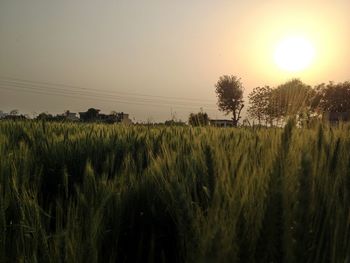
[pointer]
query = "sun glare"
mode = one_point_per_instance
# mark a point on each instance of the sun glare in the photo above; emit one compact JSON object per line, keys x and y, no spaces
{"x":294,"y":54}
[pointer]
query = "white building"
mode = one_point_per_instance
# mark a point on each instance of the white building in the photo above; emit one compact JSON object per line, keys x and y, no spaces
{"x":125,"y":118}
{"x":72,"y":116}
{"x":2,"y":114}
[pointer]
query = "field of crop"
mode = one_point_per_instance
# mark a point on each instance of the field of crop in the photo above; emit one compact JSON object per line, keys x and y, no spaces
{"x":109,"y":193}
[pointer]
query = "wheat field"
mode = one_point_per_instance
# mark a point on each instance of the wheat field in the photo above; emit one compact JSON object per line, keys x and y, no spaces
{"x":113,"y":193}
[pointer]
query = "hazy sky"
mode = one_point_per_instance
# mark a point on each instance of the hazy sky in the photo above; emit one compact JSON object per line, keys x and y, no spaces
{"x":151,"y":58}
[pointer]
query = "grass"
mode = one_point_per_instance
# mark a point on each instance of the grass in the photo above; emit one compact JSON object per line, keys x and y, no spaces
{"x":111,"y":193}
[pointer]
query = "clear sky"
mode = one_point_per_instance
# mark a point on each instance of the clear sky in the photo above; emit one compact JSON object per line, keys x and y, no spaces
{"x":153,"y":58}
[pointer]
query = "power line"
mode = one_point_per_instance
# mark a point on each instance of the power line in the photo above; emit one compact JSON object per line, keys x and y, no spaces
{"x":96,"y":94}
{"x":84,"y":97}
{"x":18,"y":80}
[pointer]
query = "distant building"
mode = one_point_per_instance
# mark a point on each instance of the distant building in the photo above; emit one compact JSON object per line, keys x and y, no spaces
{"x":221,"y":123}
{"x":92,"y":115}
{"x":336,"y":117}
{"x":118,"y":117}
{"x":71,"y":116}
{"x":3,"y":115}
{"x":124,"y":118}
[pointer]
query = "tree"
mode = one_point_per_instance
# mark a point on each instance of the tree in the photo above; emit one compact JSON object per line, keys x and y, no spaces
{"x":260,"y":104}
{"x":44,"y":116}
{"x":332,"y":98}
{"x":198,"y":119}
{"x":291,"y":99}
{"x":229,"y":91}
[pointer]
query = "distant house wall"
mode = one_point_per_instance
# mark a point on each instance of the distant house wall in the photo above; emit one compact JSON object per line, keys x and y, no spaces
{"x":83,"y":116}
{"x":72,"y":116}
{"x":125,"y":118}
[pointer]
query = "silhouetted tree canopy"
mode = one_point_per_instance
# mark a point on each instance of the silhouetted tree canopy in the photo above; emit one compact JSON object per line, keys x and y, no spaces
{"x":291,"y":99}
{"x":332,"y":97}
{"x":229,"y":91}
{"x":44,"y":116}
{"x":198,"y":119}
{"x":259,"y":104}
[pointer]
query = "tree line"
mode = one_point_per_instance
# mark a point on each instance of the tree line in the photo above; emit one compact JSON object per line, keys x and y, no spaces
{"x":271,"y":106}
{"x":268,"y":106}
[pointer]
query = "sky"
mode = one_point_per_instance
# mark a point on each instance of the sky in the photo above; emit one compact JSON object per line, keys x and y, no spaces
{"x":158,"y":59}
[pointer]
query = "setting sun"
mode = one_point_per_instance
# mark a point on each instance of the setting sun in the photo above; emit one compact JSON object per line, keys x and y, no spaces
{"x":294,"y":54}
